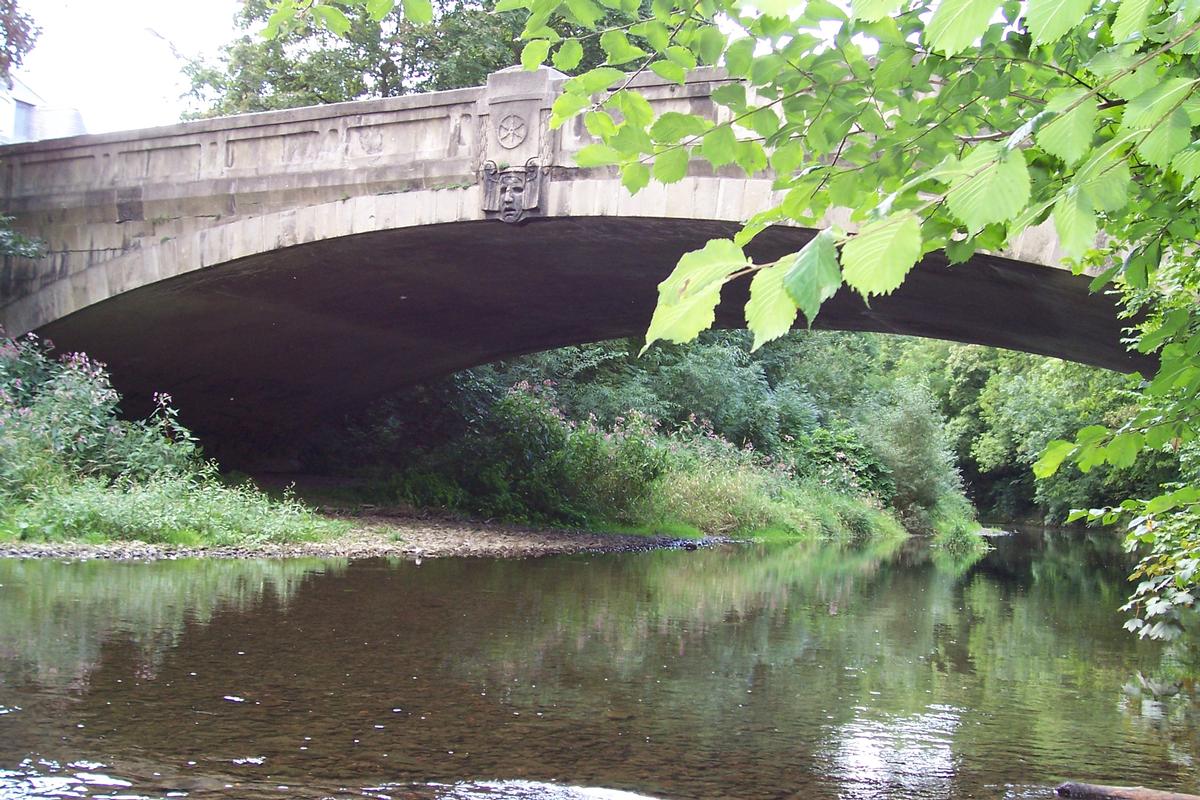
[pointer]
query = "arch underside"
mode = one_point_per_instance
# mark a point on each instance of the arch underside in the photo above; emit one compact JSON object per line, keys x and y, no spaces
{"x":260,"y":350}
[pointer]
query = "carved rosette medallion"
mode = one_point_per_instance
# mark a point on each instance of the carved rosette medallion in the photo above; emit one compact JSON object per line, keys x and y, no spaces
{"x":511,"y":131}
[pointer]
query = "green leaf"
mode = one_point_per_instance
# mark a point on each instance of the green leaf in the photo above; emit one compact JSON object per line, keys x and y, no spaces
{"x":682,"y":322}
{"x":669,"y":71}
{"x":1053,"y":456}
{"x":1075,"y":222}
{"x":1122,"y":451}
{"x":731,"y":95}
{"x":698,"y":269}
{"x":631,"y":140}
{"x":671,"y":126}
{"x":681,"y":56}
{"x":585,"y":11}
{"x":534,"y":53}
{"x":1132,"y":16}
{"x":1104,"y":179}
{"x":1049,"y":20}
{"x":1187,"y":164}
{"x":993,"y":186}
{"x":599,"y":124}
{"x":777,"y":8}
{"x":719,"y":146}
{"x":597,"y":155}
{"x":592,"y":81}
{"x":1151,"y":106}
{"x":635,"y":176}
{"x":956,"y":24}
{"x":688,"y":298}
{"x":1164,"y":140}
{"x":566,"y":106}
{"x":814,"y":274}
{"x":510,"y":5}
{"x":568,"y":55}
{"x":874,"y":10}
{"x":333,"y":19}
{"x":616,"y":46}
{"x":764,"y":122}
{"x":378,"y":9}
{"x":710,"y":45}
{"x":671,"y":166}
{"x":635,"y":108}
{"x":1188,"y":495}
{"x":770,"y":312}
{"x":418,"y":12}
{"x":751,"y":157}
{"x":876,"y":260}
{"x":739,"y":56}
{"x":1068,"y":135}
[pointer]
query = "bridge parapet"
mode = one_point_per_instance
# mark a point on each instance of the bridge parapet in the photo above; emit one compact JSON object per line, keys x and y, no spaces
{"x":92,"y":199}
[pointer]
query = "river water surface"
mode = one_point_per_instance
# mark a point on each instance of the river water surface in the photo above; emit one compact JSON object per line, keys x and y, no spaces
{"x":749,"y":672}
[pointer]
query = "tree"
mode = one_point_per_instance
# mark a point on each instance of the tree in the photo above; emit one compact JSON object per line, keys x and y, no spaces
{"x":20,"y":34}
{"x":940,"y":125}
{"x":373,"y":57}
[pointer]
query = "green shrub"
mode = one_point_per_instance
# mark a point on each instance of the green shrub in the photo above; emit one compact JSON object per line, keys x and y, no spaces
{"x":908,"y":433}
{"x":524,"y":460}
{"x":837,"y":457}
{"x":71,"y":468}
{"x":63,"y":413}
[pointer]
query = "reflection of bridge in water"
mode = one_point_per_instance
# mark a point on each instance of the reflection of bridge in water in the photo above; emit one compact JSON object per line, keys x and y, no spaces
{"x":271,"y":269}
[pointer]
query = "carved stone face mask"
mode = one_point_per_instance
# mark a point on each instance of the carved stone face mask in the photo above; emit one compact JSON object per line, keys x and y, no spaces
{"x":511,"y":193}
{"x":512,"y":196}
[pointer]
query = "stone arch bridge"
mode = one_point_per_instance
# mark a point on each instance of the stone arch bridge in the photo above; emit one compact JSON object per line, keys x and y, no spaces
{"x":274,"y":269}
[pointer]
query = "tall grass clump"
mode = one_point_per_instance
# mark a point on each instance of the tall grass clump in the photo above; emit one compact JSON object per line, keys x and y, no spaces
{"x":71,"y":468}
{"x":955,"y":530}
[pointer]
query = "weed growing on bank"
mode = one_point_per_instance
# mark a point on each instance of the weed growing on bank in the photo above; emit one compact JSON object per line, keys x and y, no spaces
{"x":956,"y":532}
{"x":70,"y":468}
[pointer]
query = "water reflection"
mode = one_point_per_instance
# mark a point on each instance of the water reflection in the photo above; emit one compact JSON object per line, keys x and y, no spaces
{"x":751,"y":672}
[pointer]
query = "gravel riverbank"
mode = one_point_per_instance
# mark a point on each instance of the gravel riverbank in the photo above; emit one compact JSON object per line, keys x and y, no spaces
{"x":375,"y":536}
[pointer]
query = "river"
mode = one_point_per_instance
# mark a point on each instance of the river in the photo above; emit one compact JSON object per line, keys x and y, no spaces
{"x":785,"y":671}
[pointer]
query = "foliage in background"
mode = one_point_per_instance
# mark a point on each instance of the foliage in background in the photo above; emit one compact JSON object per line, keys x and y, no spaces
{"x":368,"y":55}
{"x":19,"y":32}
{"x":525,"y":460}
{"x":1002,"y":408}
{"x":373,"y":57}
{"x":71,"y":468}
{"x":746,"y":442}
{"x":948,"y":125}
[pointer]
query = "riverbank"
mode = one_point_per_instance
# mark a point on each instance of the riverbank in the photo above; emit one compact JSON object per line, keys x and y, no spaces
{"x":379,"y":536}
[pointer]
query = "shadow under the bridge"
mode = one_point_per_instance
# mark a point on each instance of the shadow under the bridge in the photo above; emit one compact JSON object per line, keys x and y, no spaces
{"x":256,"y":351}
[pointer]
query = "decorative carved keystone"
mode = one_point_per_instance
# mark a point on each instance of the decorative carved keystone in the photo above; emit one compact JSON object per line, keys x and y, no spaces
{"x":518,"y":146}
{"x":511,"y":193}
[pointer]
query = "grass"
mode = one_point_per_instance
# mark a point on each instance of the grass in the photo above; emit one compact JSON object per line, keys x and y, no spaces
{"x":168,"y":509}
{"x":749,"y":502}
{"x":956,"y":533}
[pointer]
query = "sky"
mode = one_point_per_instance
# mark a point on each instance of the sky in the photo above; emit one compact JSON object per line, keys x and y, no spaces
{"x":113,"y":59}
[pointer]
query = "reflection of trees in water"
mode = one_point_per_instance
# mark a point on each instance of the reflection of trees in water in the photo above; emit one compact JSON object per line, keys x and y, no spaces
{"x":55,"y":616}
{"x":865,"y":673}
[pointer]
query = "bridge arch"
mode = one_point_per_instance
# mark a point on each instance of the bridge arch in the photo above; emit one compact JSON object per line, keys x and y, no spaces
{"x":273,"y":270}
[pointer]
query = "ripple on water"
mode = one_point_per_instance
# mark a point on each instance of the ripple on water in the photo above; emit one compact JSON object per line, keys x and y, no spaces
{"x":527,"y":790}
